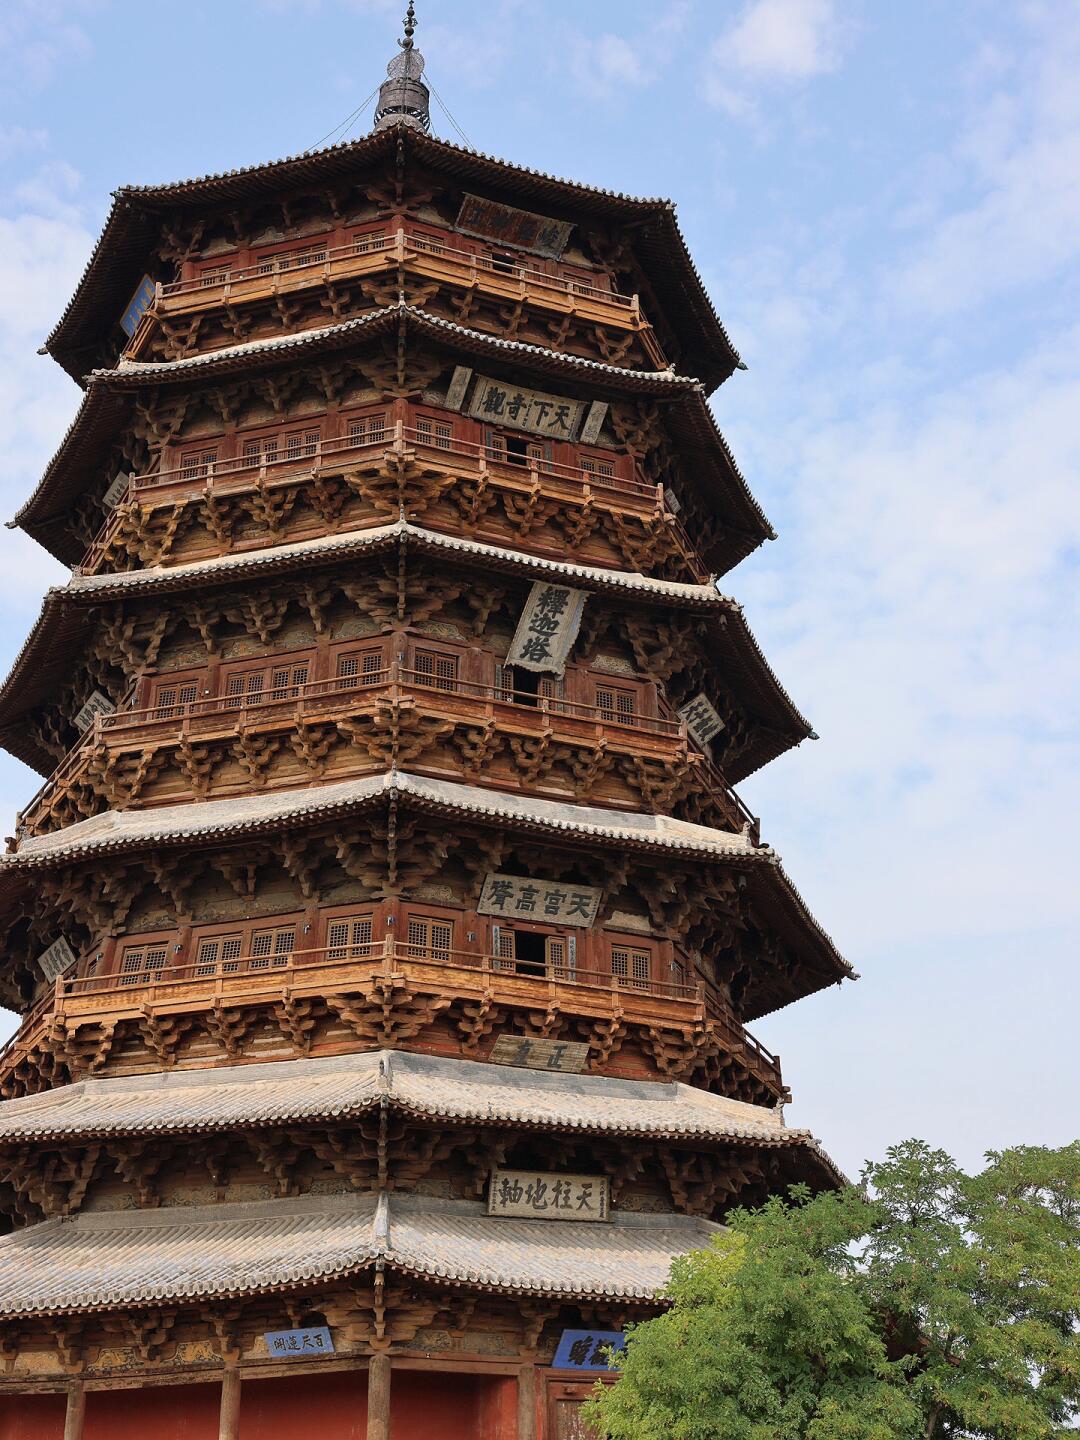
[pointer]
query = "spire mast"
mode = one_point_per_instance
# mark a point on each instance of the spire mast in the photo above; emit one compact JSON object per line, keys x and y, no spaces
{"x":404,"y":99}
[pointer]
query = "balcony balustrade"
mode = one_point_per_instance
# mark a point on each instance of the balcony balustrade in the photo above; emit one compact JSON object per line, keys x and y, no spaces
{"x":579,"y":487}
{"x":252,"y":981}
{"x":401,"y":249}
{"x":132,"y":734}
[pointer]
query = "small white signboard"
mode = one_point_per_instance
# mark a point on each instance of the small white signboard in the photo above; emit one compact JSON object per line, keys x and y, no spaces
{"x":97,"y":704}
{"x":700,"y":719}
{"x":56,"y":959}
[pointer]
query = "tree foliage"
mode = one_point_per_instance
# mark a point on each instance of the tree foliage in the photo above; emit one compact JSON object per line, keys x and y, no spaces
{"x":926,"y":1305}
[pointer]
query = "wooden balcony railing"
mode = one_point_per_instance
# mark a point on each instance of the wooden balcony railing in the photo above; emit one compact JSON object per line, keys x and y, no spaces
{"x":661,"y":737}
{"x":376,"y":251}
{"x":252,"y":980}
{"x":473,"y":462}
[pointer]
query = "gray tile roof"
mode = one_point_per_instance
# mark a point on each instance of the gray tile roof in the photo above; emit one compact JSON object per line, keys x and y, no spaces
{"x":120,"y":1259}
{"x":140,"y":372}
{"x":121,"y":829}
{"x":426,"y":1087}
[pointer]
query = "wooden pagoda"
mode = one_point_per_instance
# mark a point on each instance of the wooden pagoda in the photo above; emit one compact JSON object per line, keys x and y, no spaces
{"x":386,"y":929}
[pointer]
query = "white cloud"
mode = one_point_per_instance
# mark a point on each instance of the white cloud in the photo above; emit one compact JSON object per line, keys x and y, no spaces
{"x":37,"y":37}
{"x":1014,"y":219}
{"x":771,"y":42}
{"x":44,"y":244}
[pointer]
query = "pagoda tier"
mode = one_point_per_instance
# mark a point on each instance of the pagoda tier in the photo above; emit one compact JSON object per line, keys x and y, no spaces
{"x":386,"y":929}
{"x":164,"y":461}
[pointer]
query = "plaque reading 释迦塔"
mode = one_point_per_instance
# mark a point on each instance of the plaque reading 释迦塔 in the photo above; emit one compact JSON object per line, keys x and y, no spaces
{"x":700,"y":719}
{"x":545,"y":1195}
{"x":312,"y":1340}
{"x":565,"y":1057}
{"x":501,"y":403}
{"x":525,"y":898}
{"x":520,"y":228}
{"x":547,"y":629}
{"x":459,"y":383}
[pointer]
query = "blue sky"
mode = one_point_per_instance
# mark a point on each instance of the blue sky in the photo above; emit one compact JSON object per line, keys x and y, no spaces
{"x":884,"y":201}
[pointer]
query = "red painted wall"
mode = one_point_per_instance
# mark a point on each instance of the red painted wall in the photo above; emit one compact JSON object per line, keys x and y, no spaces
{"x":160,"y":1412}
{"x":325,"y":1407}
{"x":432,"y":1405}
{"x":32,"y":1417}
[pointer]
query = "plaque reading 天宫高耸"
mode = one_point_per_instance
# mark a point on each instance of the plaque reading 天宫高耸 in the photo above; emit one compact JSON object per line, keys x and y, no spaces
{"x":526,"y":899}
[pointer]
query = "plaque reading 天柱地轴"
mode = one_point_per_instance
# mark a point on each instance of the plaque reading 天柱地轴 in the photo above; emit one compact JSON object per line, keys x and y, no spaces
{"x":525,"y":898}
{"x":543,"y":1195}
{"x":547,"y":629}
{"x":501,"y":403}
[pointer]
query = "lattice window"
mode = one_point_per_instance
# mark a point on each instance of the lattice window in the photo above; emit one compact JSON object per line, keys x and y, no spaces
{"x":272,"y":947}
{"x":632,"y":966}
{"x":261,"y":451}
{"x":302,"y":444}
{"x":195,"y":464}
{"x":434,"y":432}
{"x":349,"y":938}
{"x":173,"y":697}
{"x":141,"y":964}
{"x":429,"y":939}
{"x":214,"y":950}
{"x":286,"y":681}
{"x":363,"y":667}
{"x":616,"y":704}
{"x":371,"y":240}
{"x":605,"y":469}
{"x":368,"y":429}
{"x":218,"y":276}
{"x":244,"y":689}
{"x":556,"y":954}
{"x":437,"y":669}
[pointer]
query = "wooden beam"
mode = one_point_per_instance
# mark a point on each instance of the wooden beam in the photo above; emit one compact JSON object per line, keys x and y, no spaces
{"x":229,"y":1419}
{"x":378,"y":1398}
{"x":526,"y":1403}
{"x":76,"y":1411}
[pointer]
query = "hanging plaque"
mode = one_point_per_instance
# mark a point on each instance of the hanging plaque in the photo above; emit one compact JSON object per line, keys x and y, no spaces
{"x":547,"y":629}
{"x":97,"y":704}
{"x":116,"y":491}
{"x":567,"y":1057}
{"x":313,"y":1340}
{"x":700,"y":719}
{"x":521,"y":896}
{"x":501,"y":403}
{"x":56,"y":959}
{"x":544,"y":1195}
{"x":586,"y":1349}
{"x":594,"y":420}
{"x":459,"y":383}
{"x":137,"y":306}
{"x":521,"y":228}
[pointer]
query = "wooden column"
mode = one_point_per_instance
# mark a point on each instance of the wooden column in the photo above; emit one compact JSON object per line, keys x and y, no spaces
{"x":526,"y":1403}
{"x":76,"y":1411}
{"x":229,"y":1419}
{"x":378,"y":1398}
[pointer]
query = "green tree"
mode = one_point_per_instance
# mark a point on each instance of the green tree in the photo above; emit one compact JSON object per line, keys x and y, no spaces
{"x":926,"y":1305}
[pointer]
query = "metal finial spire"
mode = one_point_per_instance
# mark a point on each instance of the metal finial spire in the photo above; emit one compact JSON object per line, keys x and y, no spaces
{"x":403,"y":97}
